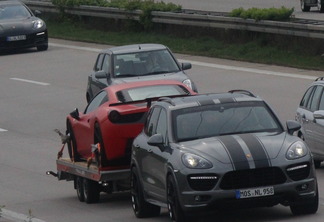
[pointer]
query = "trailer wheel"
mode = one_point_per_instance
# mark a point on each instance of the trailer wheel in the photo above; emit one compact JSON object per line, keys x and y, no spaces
{"x":91,"y":191}
{"x":98,"y":139}
{"x":72,"y":147}
{"x":79,"y":188}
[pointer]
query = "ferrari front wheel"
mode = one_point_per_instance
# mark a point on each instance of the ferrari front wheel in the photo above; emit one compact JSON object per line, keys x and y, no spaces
{"x":101,"y":155}
{"x":72,"y":145}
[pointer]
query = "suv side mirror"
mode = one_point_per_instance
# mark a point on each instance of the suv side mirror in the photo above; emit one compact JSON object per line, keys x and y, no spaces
{"x":292,"y":126}
{"x":37,"y":12}
{"x":156,"y":140}
{"x":319,"y":114}
{"x":101,"y":74}
{"x":186,"y":65}
{"x":75,"y":114}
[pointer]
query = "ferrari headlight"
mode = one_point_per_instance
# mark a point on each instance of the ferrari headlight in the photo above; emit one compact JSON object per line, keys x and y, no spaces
{"x":195,"y":161}
{"x":38,"y":24}
{"x":188,"y":83}
{"x":296,"y":150}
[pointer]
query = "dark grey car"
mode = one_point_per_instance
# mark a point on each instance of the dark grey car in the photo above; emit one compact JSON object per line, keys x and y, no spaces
{"x":310,"y":114}
{"x":135,"y":63}
{"x":20,"y":28}
{"x":216,"y":151}
{"x":307,"y":4}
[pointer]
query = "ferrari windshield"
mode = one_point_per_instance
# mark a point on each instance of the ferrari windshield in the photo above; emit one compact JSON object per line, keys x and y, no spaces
{"x":141,"y":93}
{"x":223,"y":119}
{"x":144,"y":63}
{"x":13,"y":12}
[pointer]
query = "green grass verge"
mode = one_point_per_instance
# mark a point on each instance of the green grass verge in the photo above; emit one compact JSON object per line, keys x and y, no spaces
{"x":254,"y":50}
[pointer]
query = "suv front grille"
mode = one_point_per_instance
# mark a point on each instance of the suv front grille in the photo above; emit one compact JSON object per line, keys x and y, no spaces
{"x":252,"y":178}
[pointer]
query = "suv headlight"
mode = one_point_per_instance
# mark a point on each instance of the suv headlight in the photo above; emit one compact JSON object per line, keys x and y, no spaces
{"x":195,"y":161}
{"x":188,"y":83}
{"x":38,"y":24}
{"x":296,"y":150}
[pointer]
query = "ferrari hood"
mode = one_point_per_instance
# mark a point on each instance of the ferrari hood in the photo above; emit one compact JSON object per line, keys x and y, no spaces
{"x":240,"y":150}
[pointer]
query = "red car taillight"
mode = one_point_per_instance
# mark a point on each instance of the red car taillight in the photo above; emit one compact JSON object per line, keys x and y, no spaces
{"x":114,"y":116}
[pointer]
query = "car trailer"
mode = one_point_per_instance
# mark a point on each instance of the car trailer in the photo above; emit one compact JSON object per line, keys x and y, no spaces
{"x":90,"y":180}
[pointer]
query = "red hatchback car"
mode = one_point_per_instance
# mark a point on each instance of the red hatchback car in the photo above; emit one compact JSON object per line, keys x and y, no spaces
{"x":104,"y":132}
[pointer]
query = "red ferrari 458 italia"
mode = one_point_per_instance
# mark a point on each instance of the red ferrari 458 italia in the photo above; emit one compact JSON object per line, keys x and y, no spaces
{"x":104,"y":132}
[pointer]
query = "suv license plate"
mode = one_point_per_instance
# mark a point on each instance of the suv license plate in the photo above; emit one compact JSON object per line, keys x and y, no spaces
{"x":257,"y":192}
{"x":16,"y":38}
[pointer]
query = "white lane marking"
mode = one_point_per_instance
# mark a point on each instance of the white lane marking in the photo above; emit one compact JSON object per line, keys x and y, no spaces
{"x":16,"y":217}
{"x":31,"y":81}
{"x":3,"y":130}
{"x":251,"y":70}
{"x":75,"y":47}
{"x":211,"y":65}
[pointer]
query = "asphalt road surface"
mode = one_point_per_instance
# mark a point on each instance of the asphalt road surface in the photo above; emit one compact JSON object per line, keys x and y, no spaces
{"x":38,"y":90}
{"x":229,"y":5}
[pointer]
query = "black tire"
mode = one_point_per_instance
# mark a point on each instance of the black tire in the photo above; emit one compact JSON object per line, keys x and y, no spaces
{"x":317,"y":163}
{"x":175,"y":211}
{"x":79,"y":188}
{"x":307,"y":207}
{"x":42,"y":47}
{"x":91,"y":191}
{"x":101,"y":158}
{"x":142,"y":209}
{"x":320,"y":6}
{"x":72,"y":147}
{"x":304,"y":7}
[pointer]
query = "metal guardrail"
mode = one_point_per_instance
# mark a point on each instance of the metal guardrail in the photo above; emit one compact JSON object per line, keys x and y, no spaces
{"x":295,"y":27}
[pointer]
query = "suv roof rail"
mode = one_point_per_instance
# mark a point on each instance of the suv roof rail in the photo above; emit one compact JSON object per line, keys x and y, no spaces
{"x":319,"y":79}
{"x":242,"y":91}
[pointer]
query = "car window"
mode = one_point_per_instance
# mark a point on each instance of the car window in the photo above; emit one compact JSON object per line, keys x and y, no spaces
{"x":315,"y":98}
{"x":144,"y":63}
{"x":321,"y":104}
{"x":97,"y":101}
{"x":144,"y":92}
{"x":99,"y":61}
{"x":106,"y":64}
{"x":13,"y":12}
{"x":305,"y":99}
{"x":222,"y":119}
{"x":162,"y":125}
{"x":150,"y":126}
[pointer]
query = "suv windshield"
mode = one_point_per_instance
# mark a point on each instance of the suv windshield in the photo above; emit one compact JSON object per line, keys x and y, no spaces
{"x":223,"y":119}
{"x":144,"y":63}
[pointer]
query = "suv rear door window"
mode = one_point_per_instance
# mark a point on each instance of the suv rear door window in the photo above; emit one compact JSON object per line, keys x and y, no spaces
{"x":306,"y":97}
{"x":315,"y":98}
